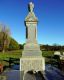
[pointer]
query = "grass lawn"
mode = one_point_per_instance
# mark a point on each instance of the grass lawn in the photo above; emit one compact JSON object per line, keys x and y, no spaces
{"x":18,"y":54}
{"x":9,"y":54}
{"x":47,"y":53}
{"x":12,"y":54}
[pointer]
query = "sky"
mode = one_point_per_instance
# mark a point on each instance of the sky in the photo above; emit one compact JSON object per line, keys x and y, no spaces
{"x":50,"y":15}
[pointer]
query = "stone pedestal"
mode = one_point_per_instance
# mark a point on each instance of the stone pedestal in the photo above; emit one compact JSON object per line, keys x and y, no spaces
{"x":32,"y":63}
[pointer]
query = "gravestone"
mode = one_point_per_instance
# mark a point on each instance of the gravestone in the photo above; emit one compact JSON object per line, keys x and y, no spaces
{"x":63,"y":53}
{"x":31,"y":56}
{"x":57,"y":53}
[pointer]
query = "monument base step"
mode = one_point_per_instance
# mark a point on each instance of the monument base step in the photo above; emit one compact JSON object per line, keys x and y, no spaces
{"x":31,"y":53}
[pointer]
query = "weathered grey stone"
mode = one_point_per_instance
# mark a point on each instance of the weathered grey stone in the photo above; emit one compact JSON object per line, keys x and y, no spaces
{"x":32,"y":63}
{"x":31,"y":55}
{"x":57,"y":53}
{"x":31,"y":47}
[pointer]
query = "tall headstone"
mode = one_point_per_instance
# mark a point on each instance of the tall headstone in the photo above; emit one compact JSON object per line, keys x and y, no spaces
{"x":31,"y":56}
{"x":31,"y":47}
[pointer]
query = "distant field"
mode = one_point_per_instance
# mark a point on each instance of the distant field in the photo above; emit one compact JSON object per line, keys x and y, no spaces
{"x":47,"y":53}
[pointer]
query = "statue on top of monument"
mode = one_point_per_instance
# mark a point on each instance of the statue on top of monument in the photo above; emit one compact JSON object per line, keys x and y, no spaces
{"x":31,"y":15}
{"x":31,"y":7}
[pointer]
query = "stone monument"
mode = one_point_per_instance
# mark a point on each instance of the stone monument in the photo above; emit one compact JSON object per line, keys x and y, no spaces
{"x":31,"y":56}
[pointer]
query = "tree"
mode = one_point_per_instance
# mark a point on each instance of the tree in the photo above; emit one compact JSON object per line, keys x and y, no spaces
{"x":13,"y":45}
{"x":21,"y":46}
{"x":4,"y":37}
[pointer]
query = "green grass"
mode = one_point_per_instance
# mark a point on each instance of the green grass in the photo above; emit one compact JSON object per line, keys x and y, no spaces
{"x":12,"y":54}
{"x":47,"y":53}
{"x":18,"y":54}
{"x":9,"y":54}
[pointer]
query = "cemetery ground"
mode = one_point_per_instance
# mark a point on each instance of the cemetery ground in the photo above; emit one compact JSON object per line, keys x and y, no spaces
{"x":10,"y":58}
{"x":15,"y":55}
{"x":5,"y":58}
